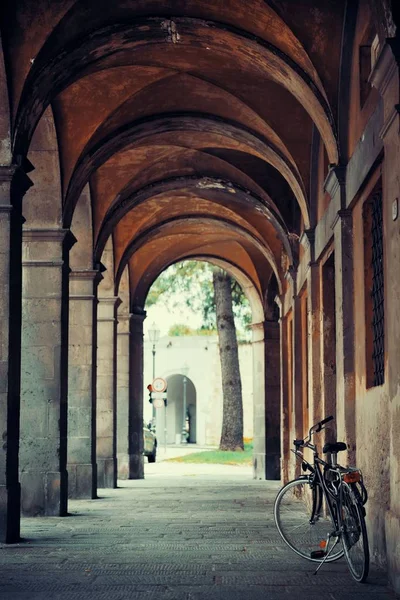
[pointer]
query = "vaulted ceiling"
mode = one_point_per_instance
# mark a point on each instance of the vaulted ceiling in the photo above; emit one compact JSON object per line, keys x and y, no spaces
{"x":191,"y":121}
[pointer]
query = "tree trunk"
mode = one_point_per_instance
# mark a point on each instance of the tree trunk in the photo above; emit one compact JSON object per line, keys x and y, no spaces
{"x":232,"y":419}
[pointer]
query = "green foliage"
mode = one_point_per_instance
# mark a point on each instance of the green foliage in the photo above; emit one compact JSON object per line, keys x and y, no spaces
{"x":179,"y":329}
{"x":221,"y":457}
{"x":190,"y":283}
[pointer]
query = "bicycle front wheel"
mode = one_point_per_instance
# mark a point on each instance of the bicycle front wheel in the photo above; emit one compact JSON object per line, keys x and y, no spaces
{"x":354,"y":535}
{"x":301,"y":520}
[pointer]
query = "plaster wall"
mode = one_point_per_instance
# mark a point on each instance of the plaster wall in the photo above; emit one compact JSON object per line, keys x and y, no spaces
{"x":201,"y":355}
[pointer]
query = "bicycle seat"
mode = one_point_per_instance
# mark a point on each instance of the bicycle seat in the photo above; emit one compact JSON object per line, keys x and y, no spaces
{"x":334,"y":447}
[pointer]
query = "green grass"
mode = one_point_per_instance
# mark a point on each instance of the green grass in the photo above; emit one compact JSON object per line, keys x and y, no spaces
{"x":218,"y":457}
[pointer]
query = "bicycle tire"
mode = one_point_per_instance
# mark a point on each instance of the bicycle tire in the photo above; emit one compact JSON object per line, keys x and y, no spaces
{"x":354,"y":535}
{"x":292,"y":514}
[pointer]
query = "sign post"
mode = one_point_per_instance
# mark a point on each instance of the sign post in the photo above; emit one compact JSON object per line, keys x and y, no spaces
{"x":159,"y":387}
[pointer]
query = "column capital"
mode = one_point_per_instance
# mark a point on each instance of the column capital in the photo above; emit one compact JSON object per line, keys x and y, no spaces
{"x":335,"y":179}
{"x":342,"y":215}
{"x":110,"y":300}
{"x":385,"y":66}
{"x":258,"y":332}
{"x":136,"y":322}
{"x":83,"y":283}
{"x":46,"y":247}
{"x":48,"y":235}
{"x":307,"y":238}
{"x":15,"y":174}
{"x":123,"y":321}
{"x":107,"y":306}
{"x":86,"y":275}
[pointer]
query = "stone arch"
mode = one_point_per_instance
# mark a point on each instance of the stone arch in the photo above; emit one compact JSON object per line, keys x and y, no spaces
{"x":143,"y":131}
{"x":81,"y":255}
{"x":43,"y":202}
{"x":44,"y":82}
{"x":181,"y":395}
{"x":208,"y":187}
{"x":168,"y":226}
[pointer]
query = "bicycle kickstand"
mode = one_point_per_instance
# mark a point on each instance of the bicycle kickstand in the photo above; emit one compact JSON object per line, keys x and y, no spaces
{"x":327,"y":554}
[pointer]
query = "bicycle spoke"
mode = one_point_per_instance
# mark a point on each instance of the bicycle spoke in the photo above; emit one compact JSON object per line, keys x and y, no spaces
{"x":293,"y":514}
{"x":354,"y":534}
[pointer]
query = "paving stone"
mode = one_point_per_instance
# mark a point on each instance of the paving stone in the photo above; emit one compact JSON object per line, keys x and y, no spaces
{"x":178,"y":539}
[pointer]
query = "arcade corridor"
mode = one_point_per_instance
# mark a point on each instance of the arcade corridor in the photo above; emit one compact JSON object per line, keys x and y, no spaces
{"x":261,"y":136}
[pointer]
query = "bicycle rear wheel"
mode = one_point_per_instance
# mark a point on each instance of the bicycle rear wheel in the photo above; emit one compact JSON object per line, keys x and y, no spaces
{"x":354,"y":535}
{"x":303,"y":531}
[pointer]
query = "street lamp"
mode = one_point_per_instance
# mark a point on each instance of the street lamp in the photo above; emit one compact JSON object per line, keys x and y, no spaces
{"x":154,"y":336}
{"x":185,"y":370}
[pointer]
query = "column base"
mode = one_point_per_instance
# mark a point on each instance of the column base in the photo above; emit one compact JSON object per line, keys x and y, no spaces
{"x":136,"y":466}
{"x":106,"y":473}
{"x":258,"y":466}
{"x":44,"y":494}
{"x":392,"y":526}
{"x":82,"y":481}
{"x":123,"y":466}
{"x":273,"y":466}
{"x":10,"y":501}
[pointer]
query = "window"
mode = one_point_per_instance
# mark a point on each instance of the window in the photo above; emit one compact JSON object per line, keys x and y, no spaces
{"x":374,"y":288}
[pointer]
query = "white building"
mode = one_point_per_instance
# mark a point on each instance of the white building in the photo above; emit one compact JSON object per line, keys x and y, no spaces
{"x":196,"y":359}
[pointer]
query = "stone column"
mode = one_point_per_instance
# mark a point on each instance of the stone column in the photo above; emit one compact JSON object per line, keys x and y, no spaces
{"x":106,"y":392}
{"x":123,"y":415}
{"x":272,"y":400}
{"x":13,"y":185}
{"x":259,"y":448}
{"x":135,"y":450}
{"x":284,"y":404}
{"x":316,"y":410}
{"x":82,"y":359}
{"x":297,"y":428}
{"x":44,"y":371}
{"x":344,"y":301}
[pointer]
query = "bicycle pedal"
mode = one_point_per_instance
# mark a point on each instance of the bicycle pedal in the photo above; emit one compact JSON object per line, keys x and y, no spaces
{"x":317,"y":554}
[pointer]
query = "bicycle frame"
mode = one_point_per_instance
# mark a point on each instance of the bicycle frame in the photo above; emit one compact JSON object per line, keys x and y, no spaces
{"x":319,"y":479}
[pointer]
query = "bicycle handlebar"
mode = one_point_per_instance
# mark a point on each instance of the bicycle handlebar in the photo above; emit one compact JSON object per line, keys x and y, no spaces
{"x":319,"y":425}
{"x":314,"y":429}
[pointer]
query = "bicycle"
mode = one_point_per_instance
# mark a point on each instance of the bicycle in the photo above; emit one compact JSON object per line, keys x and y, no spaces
{"x":321,"y":514}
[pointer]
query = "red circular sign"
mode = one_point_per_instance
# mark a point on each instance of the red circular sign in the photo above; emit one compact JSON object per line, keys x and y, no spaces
{"x":159,"y":384}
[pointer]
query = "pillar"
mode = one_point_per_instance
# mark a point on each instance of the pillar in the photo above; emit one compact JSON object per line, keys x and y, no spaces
{"x":106,"y":392}
{"x":272,"y":400}
{"x":297,"y":427}
{"x":344,"y":303}
{"x":259,"y":441}
{"x":284,"y":400}
{"x":44,"y":371}
{"x":13,"y":185}
{"x":316,"y":410}
{"x":82,"y":357}
{"x":123,"y":411}
{"x":135,"y":450}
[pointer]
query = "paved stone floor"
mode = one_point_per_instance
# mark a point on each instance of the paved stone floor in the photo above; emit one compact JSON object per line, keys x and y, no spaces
{"x":186,"y":532}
